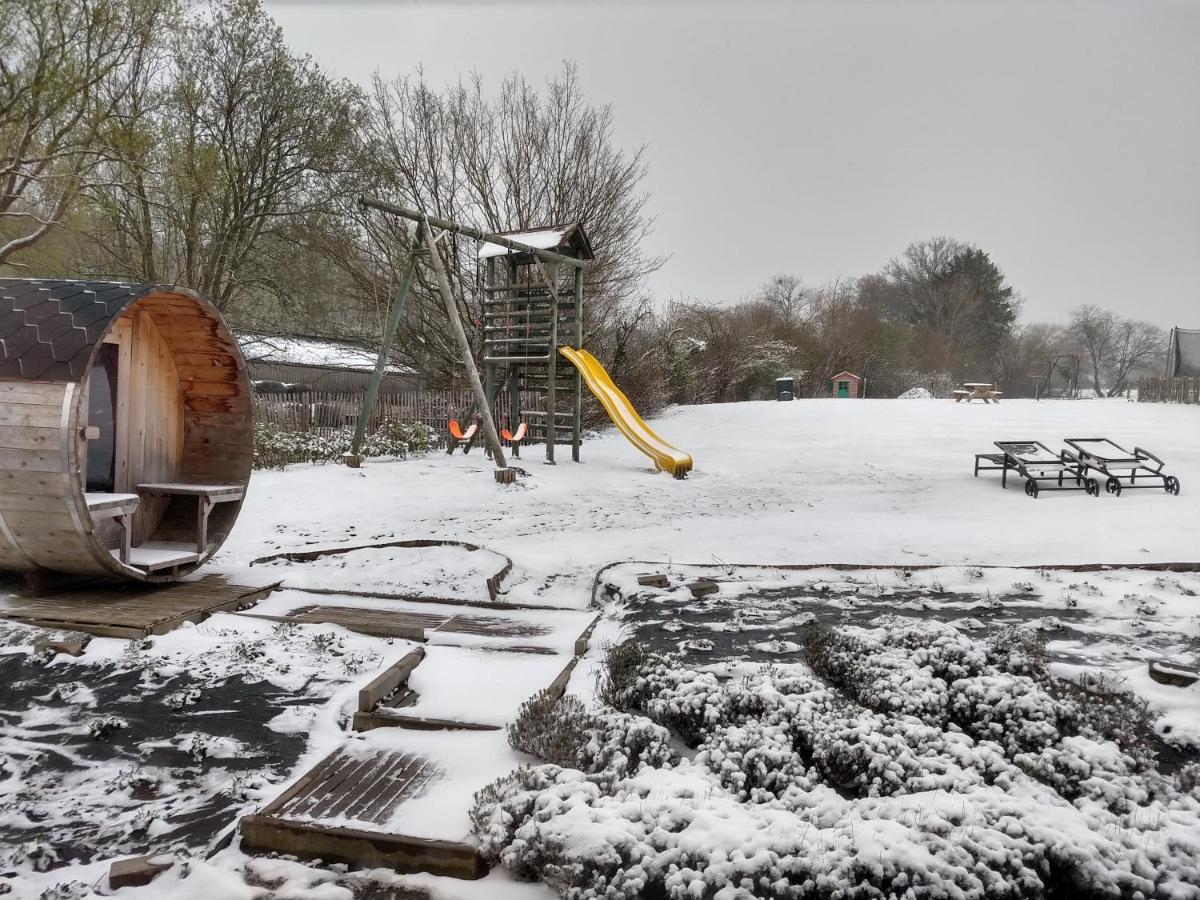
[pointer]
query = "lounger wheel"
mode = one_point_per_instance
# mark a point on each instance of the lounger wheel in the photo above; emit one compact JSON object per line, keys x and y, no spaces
{"x":1171,"y":484}
{"x":1092,"y":486}
{"x":1031,"y":488}
{"x":1113,"y":485}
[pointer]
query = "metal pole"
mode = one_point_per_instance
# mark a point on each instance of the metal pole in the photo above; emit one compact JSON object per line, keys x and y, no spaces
{"x":354,"y":458}
{"x":464,"y":348}
{"x":446,"y":225}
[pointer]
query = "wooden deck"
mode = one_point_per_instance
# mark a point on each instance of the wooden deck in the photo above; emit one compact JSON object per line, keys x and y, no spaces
{"x":338,"y":810}
{"x":408,"y":624}
{"x":132,"y":610}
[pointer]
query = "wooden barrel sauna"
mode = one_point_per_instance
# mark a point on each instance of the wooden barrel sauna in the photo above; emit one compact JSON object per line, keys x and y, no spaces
{"x":126,"y":434}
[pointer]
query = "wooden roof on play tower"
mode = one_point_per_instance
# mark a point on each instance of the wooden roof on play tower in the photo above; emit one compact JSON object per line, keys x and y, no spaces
{"x":569,"y":240}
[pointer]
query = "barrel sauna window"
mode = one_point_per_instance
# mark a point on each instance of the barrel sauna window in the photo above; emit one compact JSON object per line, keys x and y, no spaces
{"x":127,"y":444}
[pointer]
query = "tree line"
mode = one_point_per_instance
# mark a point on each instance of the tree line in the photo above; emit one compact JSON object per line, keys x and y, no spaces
{"x":153,"y":140}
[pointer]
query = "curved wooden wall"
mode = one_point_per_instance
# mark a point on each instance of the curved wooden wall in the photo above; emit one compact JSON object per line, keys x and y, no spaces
{"x":191,"y":421}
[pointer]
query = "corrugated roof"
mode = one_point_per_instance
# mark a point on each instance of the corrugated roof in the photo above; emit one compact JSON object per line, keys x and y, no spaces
{"x":48,"y":328}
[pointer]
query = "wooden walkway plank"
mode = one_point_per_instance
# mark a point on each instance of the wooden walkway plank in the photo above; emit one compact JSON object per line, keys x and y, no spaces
{"x":133,"y":612}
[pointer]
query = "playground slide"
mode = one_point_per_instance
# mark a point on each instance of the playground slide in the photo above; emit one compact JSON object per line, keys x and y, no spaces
{"x":625,"y":417}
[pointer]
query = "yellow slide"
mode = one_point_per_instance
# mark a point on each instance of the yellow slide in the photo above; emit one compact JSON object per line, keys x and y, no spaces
{"x":625,"y":417}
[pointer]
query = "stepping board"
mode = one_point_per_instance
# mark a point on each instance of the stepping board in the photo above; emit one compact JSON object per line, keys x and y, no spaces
{"x":522,"y":630}
{"x":464,"y":688}
{"x":394,"y":623}
{"x":133,"y":611}
{"x":340,"y":809}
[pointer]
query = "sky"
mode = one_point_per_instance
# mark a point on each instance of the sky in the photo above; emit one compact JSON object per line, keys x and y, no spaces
{"x":821,"y":138}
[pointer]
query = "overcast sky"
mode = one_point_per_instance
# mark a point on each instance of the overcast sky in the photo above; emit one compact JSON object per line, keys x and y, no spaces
{"x":822,"y":138}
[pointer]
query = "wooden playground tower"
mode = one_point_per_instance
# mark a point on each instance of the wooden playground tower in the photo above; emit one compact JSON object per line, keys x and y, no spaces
{"x":531,"y":307}
{"x":528,"y":314}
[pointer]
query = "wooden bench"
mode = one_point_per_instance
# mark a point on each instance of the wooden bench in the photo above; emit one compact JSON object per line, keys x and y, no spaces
{"x":119,"y":507}
{"x":207,"y":496}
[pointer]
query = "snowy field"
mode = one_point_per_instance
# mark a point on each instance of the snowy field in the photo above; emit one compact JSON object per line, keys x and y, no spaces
{"x":210,"y":722}
{"x":879,"y":482}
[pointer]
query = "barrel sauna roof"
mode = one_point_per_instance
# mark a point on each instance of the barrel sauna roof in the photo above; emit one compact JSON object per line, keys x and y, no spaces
{"x":48,"y":328}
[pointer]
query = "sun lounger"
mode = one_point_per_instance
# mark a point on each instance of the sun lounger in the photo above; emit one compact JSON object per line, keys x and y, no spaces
{"x":1120,"y":467}
{"x":1041,"y":467}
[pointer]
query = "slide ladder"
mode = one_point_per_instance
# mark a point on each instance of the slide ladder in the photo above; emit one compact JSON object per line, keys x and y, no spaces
{"x":625,"y":417}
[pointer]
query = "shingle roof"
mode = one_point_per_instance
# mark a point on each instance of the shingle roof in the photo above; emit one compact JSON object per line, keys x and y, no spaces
{"x":48,"y":328}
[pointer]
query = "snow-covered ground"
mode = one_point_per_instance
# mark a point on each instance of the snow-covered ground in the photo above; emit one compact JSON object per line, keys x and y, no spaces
{"x":880,"y":482}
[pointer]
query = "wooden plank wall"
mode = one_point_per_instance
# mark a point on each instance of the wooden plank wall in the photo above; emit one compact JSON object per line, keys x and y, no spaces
{"x":154,"y":445}
{"x":34,"y":503}
{"x":217,"y":443}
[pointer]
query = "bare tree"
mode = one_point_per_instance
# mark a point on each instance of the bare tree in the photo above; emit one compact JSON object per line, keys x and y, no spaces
{"x":786,"y":295}
{"x":1134,"y":345}
{"x":231,"y":153}
{"x":1115,"y":347}
{"x":520,"y":158}
{"x":67,"y":68}
{"x":1093,"y":331}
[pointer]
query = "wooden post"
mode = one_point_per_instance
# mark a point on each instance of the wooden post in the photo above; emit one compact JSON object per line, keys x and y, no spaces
{"x":489,"y":368}
{"x":354,"y":459}
{"x":550,"y":274}
{"x":464,"y":347}
{"x":515,"y":371}
{"x":577,"y":400}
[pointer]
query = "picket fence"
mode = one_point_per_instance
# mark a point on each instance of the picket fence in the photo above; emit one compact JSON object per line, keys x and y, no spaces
{"x":1169,"y":390}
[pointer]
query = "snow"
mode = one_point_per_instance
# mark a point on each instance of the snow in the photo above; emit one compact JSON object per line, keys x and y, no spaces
{"x":544,"y":239}
{"x":812,"y":481}
{"x":484,"y":687}
{"x":396,"y":570}
{"x":872,"y":482}
{"x":466,"y":761}
{"x":548,"y":630}
{"x":272,"y":348}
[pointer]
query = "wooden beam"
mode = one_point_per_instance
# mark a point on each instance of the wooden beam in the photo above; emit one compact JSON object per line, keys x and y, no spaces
{"x":490,"y":435}
{"x":503,"y":241}
{"x":395,"y":314}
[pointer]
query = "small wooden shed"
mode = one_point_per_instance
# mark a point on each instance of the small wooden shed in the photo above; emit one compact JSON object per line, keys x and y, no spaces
{"x":126,"y":437}
{"x":844,"y":385}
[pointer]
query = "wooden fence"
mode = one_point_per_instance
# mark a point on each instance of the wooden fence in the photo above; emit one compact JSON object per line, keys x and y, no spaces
{"x":1169,"y":390}
{"x":324,"y":412}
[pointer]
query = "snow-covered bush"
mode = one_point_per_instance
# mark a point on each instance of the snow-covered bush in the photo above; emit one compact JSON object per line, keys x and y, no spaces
{"x":564,"y":732}
{"x":1019,"y":650}
{"x":986,"y":783}
{"x":275,"y":448}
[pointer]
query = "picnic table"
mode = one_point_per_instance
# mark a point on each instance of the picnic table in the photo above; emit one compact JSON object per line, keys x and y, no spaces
{"x":977,"y":390}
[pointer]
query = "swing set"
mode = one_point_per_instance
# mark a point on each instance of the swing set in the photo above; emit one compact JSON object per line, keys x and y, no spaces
{"x":533,"y":313}
{"x":524,"y":315}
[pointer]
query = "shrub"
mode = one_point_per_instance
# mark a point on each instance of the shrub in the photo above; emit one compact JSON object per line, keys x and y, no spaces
{"x":562,"y":731}
{"x":549,"y":728}
{"x":275,"y":448}
{"x":1028,"y":788}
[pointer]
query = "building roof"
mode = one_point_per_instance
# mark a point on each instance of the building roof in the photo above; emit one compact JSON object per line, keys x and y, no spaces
{"x":570,"y":240}
{"x":313,"y":352}
{"x":848,"y":374}
{"x":49,"y":328}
